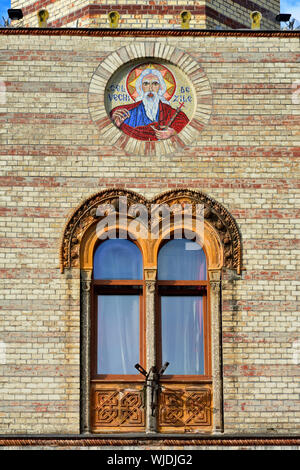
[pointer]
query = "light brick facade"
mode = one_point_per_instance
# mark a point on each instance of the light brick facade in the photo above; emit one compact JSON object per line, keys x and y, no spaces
{"x":53,"y":158}
{"x":206,"y":14}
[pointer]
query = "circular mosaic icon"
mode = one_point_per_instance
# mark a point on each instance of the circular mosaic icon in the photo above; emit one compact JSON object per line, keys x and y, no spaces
{"x":150,"y":101}
{"x":157,"y":104}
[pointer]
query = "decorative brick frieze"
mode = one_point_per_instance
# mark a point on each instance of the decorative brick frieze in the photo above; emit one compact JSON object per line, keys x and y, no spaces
{"x":144,"y":33}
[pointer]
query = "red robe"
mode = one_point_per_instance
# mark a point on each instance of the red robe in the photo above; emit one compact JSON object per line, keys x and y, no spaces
{"x":166,"y":112}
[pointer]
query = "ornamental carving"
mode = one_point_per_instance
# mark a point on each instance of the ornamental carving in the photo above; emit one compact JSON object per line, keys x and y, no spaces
{"x":86,"y":217}
{"x":184,"y":408}
{"x":118,"y":408}
{"x":217,"y":216}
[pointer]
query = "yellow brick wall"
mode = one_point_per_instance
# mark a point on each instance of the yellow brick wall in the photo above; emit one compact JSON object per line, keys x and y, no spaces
{"x":53,"y":157}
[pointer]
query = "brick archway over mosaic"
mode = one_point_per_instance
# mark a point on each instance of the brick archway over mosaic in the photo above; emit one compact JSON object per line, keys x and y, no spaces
{"x":158,"y":52}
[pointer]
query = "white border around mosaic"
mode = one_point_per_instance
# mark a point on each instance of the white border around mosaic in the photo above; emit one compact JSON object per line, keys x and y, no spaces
{"x":145,"y":51}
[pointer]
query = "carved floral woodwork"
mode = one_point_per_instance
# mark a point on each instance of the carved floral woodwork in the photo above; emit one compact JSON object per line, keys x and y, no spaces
{"x":185,"y":408}
{"x":84,"y":217}
{"x":219,"y":226}
{"x":118,"y":407}
{"x":181,"y":408}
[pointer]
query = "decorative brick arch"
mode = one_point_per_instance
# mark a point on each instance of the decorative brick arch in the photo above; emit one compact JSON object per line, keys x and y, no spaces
{"x":84,"y":218}
{"x":217,"y":220}
{"x":222,"y":238}
{"x":159,"y":52}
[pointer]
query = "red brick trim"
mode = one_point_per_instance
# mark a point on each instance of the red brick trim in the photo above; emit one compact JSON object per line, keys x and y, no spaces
{"x":94,"y":10}
{"x":100,"y":441}
{"x":93,"y":182}
{"x":146,"y":9}
{"x":155,"y":33}
{"x":270,"y":275}
{"x":238,"y":214}
{"x":230,"y":151}
{"x":36,"y":6}
{"x":252,"y":6}
{"x":150,"y":9}
{"x":230,"y":22}
{"x":70,"y":17}
{"x":257,"y":370}
{"x":231,"y":183}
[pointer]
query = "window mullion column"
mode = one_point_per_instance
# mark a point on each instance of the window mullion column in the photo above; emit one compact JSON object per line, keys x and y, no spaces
{"x":150,"y":277}
{"x":86,"y":277}
{"x":216,"y":325}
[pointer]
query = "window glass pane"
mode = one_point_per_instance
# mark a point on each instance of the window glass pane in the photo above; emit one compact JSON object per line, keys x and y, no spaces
{"x":118,"y":259}
{"x":118,"y":334}
{"x":181,"y":260}
{"x":182,"y":334}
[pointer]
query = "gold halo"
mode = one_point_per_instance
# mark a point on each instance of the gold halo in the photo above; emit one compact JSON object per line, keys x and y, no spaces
{"x":134,"y":74}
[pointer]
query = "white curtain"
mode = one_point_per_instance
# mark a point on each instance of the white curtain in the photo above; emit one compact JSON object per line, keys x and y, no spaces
{"x":182,"y":334}
{"x":118,"y":334}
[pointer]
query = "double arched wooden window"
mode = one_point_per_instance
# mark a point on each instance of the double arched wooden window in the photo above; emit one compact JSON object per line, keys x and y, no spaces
{"x":150,"y":301}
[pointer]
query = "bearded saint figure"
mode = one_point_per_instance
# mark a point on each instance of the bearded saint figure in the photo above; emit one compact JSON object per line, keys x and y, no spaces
{"x":150,"y":117}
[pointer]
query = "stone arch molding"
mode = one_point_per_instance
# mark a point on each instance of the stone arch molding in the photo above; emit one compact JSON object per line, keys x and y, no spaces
{"x":222,"y":241}
{"x":158,"y":52}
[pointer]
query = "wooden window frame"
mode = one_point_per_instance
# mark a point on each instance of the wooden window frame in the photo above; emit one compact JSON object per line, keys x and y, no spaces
{"x":127,"y":286}
{"x":117,"y":287}
{"x":202,"y":288}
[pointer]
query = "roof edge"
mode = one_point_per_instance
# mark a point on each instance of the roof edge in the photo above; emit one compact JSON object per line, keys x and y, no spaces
{"x":107,"y":32}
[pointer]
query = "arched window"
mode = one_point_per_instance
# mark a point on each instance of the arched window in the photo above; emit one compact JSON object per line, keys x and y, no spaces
{"x":118,"y":259}
{"x":117,"y":306}
{"x":182,"y":308}
{"x":150,"y":301}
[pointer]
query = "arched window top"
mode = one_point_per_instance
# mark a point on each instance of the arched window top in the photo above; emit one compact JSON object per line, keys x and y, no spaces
{"x":181,"y":259}
{"x":118,"y":259}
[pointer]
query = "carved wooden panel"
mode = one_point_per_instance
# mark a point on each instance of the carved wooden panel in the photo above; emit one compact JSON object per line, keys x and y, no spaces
{"x":117,"y":407}
{"x":184,"y":408}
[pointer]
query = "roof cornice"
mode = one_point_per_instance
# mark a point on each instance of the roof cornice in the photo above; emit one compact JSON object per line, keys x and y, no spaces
{"x":122,"y":32}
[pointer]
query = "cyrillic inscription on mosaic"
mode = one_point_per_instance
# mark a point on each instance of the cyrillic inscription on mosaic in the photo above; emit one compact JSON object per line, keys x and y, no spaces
{"x":150,"y":101}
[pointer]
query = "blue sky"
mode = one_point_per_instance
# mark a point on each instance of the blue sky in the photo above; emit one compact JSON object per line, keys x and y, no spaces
{"x":286,"y":6}
{"x":291,"y":6}
{"x":4,"y":5}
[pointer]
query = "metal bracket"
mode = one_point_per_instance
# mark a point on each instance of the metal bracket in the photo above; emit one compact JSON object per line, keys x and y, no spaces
{"x":153,"y":383}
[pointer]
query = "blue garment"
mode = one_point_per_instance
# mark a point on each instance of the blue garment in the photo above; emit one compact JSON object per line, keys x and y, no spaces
{"x":138,"y":117}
